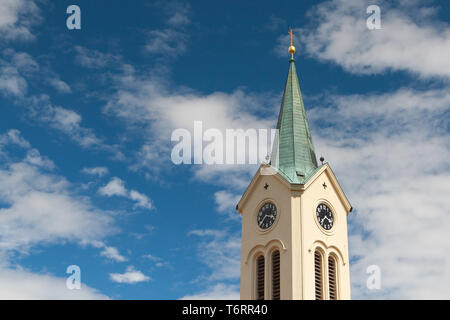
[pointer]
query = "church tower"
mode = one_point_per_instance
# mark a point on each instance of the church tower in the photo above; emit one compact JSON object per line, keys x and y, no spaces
{"x":294,"y":216}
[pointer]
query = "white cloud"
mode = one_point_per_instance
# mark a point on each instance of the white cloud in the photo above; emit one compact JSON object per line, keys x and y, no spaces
{"x":42,"y":211}
{"x":113,"y":254}
{"x":166,"y":41}
{"x":207,"y":232}
{"x":40,"y":207}
{"x":390,"y":152}
{"x":16,"y":19}
{"x":219,"y":291}
{"x":40,"y":109}
{"x":179,"y":14}
{"x":159,"y":262}
{"x":170,"y":41}
{"x":142,"y":200}
{"x":152,"y":257}
{"x":412,"y":38}
{"x":116,"y":187}
{"x":16,"y":69}
{"x":24,"y":285}
{"x":13,"y":72}
{"x":13,"y":136}
{"x":96,"y":171}
{"x":67,"y":121}
{"x":131,"y":276}
{"x":22,"y":60}
{"x":147,"y":104}
{"x":34,"y":157}
{"x":11,"y":82}
{"x":93,"y":58}
{"x":226,"y":201}
{"x":60,"y":85}
{"x":179,"y":19}
{"x":220,"y":252}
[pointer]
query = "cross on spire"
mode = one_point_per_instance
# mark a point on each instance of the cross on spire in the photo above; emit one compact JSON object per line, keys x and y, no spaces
{"x":291,"y":47}
{"x":291,"y":34}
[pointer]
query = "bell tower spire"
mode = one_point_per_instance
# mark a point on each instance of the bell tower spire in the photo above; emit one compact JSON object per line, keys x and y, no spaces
{"x":293,"y":152}
{"x":294,"y":241}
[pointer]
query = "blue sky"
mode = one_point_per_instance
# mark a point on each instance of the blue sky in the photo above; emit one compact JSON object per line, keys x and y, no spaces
{"x":86,"y":118}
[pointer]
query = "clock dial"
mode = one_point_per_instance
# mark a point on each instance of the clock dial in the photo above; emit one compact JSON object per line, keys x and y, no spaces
{"x":267,"y":215}
{"x":325,"y":216}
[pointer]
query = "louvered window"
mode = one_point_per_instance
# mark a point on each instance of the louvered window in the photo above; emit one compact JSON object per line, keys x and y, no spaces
{"x":260,"y":278}
{"x":332,"y":283}
{"x":318,"y":275}
{"x":276,"y":275}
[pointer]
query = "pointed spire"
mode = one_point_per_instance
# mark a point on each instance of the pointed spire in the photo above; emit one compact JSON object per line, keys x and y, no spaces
{"x":293,"y":153}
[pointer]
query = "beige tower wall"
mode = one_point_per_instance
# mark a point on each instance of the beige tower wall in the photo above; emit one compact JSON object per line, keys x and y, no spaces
{"x":255,"y":241}
{"x":334,"y":242}
{"x":296,"y":233}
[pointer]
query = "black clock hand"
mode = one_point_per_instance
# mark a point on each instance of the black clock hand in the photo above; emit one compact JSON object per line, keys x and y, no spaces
{"x":262,"y":220}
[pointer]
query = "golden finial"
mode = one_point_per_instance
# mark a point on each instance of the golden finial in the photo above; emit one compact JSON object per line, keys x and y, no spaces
{"x":291,"y":48}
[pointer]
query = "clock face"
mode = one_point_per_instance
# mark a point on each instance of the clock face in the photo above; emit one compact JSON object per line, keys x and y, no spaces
{"x":325,"y":216}
{"x":267,"y":215}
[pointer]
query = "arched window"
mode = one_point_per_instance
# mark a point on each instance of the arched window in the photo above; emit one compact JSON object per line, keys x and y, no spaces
{"x":260,"y":278}
{"x":332,"y":283}
{"x":318,"y":275}
{"x":276,"y":275}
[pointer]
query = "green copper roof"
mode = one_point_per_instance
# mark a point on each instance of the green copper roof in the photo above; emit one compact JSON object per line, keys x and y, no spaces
{"x":293,"y":152}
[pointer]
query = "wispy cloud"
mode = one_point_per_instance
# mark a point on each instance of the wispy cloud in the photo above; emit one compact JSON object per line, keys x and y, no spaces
{"x":96,"y":171}
{"x":116,"y":187}
{"x":166,"y":41}
{"x":17,"y":17}
{"x":159,"y":262}
{"x":91,"y":58}
{"x":218,"y":291}
{"x":172,"y":40}
{"x":412,"y":38}
{"x":156,"y":109}
{"x":226,"y":200}
{"x":40,"y":207}
{"x":109,"y":252}
{"x":60,"y":85}
{"x":113,"y":254}
{"x":390,"y":153}
{"x":17,"y":69}
{"x":20,"y":284}
{"x":65,"y":120}
{"x":14,"y":137}
{"x":389,"y":149}
{"x":221,"y":252}
{"x":178,"y":13}
{"x":131,"y":276}
{"x":14,"y":68}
